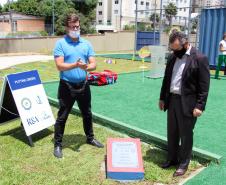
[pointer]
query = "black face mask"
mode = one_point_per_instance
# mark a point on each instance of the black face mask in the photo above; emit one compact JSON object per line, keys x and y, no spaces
{"x":180,"y":53}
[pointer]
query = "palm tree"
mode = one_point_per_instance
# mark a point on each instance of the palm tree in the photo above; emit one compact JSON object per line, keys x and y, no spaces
{"x":170,"y":12}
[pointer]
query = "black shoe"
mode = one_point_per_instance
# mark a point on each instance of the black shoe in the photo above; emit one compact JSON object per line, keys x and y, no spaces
{"x":180,"y":171}
{"x":94,"y":142}
{"x":168,"y":164}
{"x":58,"y":152}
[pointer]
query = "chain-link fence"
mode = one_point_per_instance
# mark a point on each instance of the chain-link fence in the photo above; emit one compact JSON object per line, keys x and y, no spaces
{"x":163,"y":21}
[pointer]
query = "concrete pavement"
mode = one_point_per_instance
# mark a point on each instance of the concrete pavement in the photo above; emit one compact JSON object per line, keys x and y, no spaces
{"x":9,"y":61}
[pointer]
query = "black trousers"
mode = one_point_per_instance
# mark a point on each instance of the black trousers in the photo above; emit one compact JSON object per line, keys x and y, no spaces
{"x":179,"y":131}
{"x":68,"y":93}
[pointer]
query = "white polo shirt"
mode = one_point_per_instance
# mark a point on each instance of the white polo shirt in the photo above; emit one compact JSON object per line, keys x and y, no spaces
{"x":223,"y":43}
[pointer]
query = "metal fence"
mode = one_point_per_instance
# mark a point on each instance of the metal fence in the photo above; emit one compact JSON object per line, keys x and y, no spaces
{"x":145,"y":38}
{"x":204,"y":27}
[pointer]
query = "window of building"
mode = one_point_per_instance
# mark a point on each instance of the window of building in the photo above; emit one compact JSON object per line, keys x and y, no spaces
{"x":100,"y":21}
{"x":142,"y":2}
{"x":14,"y":26}
{"x":116,"y":2}
{"x":184,"y":9}
{"x":100,"y":12}
{"x":147,"y":3}
{"x":142,"y":12}
{"x":115,"y":11}
{"x":100,"y":3}
{"x":180,"y":9}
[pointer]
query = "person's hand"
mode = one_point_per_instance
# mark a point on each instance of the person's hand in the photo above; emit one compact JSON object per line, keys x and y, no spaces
{"x":161,"y":105}
{"x":197,"y":112}
{"x":82,"y":65}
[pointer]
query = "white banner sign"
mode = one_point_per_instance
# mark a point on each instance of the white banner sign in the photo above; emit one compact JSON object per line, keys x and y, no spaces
{"x":31,"y":101}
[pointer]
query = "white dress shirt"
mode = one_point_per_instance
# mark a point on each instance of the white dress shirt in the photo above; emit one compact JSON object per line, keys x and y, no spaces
{"x":175,"y":86}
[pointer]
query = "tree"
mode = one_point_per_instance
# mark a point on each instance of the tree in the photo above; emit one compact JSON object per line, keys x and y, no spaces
{"x":61,"y":8}
{"x":129,"y":27}
{"x":194,"y":24}
{"x":60,"y":21}
{"x":141,"y":26}
{"x":170,"y":12}
{"x":28,"y":7}
{"x":0,"y":8}
{"x":85,"y":9}
{"x":154,"y":18}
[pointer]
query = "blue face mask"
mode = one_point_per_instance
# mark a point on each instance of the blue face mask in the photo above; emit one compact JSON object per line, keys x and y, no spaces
{"x":74,"y":34}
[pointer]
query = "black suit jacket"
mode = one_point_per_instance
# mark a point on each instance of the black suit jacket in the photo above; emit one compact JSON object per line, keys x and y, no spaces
{"x":194,"y":85}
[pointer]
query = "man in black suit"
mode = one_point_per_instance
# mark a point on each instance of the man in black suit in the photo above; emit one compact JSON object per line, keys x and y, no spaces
{"x":184,"y":94}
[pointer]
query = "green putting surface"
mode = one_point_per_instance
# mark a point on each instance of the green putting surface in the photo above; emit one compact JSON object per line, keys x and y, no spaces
{"x":127,"y":56}
{"x":135,"y":103}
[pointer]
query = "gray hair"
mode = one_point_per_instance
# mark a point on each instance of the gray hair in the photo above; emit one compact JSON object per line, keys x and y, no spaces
{"x":183,"y":39}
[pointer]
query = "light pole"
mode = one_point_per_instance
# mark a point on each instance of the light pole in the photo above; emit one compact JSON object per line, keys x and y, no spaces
{"x":10,"y":15}
{"x":160,"y":21}
{"x":120,"y":18}
{"x":189,"y":20}
{"x":53,"y":17}
{"x":135,"y":41}
{"x":154,"y":21}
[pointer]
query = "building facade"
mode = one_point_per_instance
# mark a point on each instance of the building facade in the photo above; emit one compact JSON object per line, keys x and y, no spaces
{"x":182,"y":11}
{"x":115,"y":14}
{"x":199,"y":4}
{"x":18,"y":22}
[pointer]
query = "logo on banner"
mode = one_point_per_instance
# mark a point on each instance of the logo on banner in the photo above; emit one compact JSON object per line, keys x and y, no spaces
{"x":45,"y":116}
{"x":32,"y":120}
{"x":38,"y":100}
{"x":26,"y":103}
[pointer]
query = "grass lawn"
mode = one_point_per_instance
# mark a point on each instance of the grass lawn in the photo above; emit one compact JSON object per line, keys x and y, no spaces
{"x":82,"y":164}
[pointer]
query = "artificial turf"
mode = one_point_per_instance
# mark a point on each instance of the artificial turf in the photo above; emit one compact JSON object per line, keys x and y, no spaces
{"x":135,"y":102}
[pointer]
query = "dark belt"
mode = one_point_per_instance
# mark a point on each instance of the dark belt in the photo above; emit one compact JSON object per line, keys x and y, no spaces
{"x":175,"y":95}
{"x":76,"y":87}
{"x":79,"y":84}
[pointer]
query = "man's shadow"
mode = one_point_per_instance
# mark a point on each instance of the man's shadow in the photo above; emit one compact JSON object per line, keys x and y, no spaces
{"x":19,"y":134}
{"x":74,"y":141}
{"x":159,"y":156}
{"x":156,"y":156}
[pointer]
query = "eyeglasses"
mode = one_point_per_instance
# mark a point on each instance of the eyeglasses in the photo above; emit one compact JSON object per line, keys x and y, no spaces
{"x":74,"y":27}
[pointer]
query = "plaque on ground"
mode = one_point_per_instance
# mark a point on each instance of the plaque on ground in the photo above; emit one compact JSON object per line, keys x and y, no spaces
{"x":124,"y":159}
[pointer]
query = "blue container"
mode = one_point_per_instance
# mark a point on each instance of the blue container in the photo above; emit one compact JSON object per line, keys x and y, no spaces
{"x":145,"y":38}
{"x":212,"y":28}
